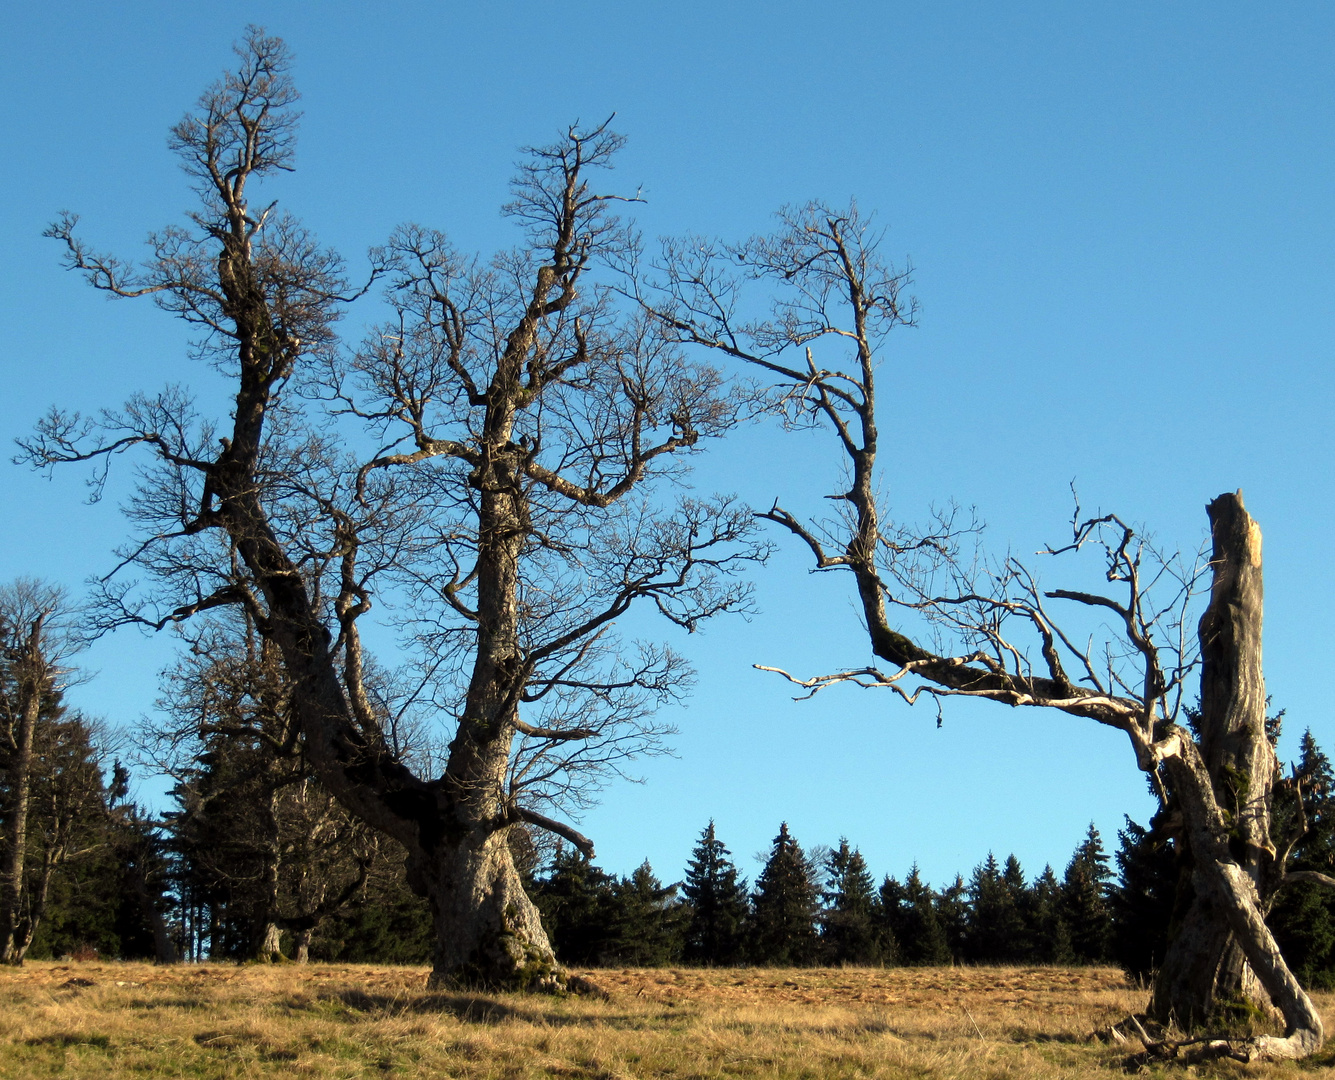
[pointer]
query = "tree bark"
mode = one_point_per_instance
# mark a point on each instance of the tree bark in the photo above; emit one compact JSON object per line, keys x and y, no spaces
{"x":1225,"y":952}
{"x":302,"y":953}
{"x":164,"y":948}
{"x":271,"y":947}
{"x":1205,"y":970}
{"x":488,"y":932}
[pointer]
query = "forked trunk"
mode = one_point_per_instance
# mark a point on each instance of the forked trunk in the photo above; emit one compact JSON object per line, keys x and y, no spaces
{"x":1204,"y":972}
{"x":488,"y":932}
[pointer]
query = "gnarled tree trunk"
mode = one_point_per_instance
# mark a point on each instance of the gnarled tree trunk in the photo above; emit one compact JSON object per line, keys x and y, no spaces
{"x":1224,"y":951}
{"x":488,"y":933}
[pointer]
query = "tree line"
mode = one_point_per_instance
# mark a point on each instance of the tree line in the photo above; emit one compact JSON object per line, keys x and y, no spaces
{"x":255,"y":860}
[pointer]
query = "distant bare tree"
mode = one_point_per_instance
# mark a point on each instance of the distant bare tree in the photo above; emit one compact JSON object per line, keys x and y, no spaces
{"x":523,"y":414}
{"x":993,"y":632}
{"x":49,"y":783}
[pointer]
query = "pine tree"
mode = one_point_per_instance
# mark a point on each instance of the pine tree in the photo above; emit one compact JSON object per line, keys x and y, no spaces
{"x":952,"y":906}
{"x":911,"y":912}
{"x":784,"y":907}
{"x":577,"y":907}
{"x":1303,"y":917}
{"x":1142,"y":899}
{"x":996,"y":925}
{"x":1049,"y":938}
{"x":848,"y":920}
{"x":647,"y":922}
{"x":715,"y":933}
{"x":1085,"y":900}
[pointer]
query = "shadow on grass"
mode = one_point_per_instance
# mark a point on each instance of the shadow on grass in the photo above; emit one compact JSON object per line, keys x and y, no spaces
{"x":65,"y":1038}
{"x":468,"y":1009}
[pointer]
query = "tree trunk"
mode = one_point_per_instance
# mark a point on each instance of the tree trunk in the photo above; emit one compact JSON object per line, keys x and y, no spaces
{"x":302,"y":953}
{"x":31,"y":678}
{"x":271,"y":948}
{"x":488,"y":932}
{"x":164,"y":949}
{"x":1205,"y":972}
{"x":1224,"y":951}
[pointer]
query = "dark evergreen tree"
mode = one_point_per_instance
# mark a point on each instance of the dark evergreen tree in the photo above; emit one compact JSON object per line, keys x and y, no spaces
{"x":952,"y":906}
{"x":1142,"y":900}
{"x":1303,"y":916}
{"x":387,"y":923}
{"x":1085,"y":900}
{"x":910,"y":910}
{"x":996,"y":930}
{"x":70,"y":888}
{"x":1048,"y":937}
{"x":848,"y":921}
{"x":718,"y":908}
{"x":577,"y":905}
{"x":784,"y":907}
{"x":263,"y":845}
{"x":647,"y":923}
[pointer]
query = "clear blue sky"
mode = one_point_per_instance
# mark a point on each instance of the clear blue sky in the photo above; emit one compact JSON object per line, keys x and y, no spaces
{"x":1121,"y":219}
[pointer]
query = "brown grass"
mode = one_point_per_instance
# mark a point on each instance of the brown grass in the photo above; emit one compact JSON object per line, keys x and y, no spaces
{"x":118,"y":1021}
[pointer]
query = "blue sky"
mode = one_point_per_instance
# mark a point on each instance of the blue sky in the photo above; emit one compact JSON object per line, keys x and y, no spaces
{"x":1121,"y":224}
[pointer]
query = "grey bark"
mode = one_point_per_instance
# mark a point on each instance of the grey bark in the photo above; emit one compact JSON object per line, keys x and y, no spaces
{"x":302,"y":952}
{"x":1205,"y":969}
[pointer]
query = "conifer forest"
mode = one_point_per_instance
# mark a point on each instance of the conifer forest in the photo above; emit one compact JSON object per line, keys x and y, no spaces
{"x":431,"y":548}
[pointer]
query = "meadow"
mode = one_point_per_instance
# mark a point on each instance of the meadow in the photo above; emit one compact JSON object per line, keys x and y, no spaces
{"x":122,"y":1020}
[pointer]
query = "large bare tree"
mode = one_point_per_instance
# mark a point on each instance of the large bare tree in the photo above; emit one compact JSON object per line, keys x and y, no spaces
{"x":947,"y":624}
{"x":509,"y":507}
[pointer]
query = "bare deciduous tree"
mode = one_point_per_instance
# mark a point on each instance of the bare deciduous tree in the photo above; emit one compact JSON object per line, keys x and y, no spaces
{"x":48,"y":784}
{"x":522,"y":413}
{"x":993,"y":632}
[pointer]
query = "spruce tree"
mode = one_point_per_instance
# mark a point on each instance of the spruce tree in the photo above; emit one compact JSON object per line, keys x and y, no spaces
{"x":996,"y":928}
{"x":784,"y":907}
{"x":1048,"y":936}
{"x":1303,"y":918}
{"x":1142,"y":899}
{"x":647,"y":921}
{"x":715,"y":933}
{"x":1085,"y":900}
{"x":577,"y":907}
{"x":848,"y":930}
{"x":911,"y":912}
{"x":952,"y":906}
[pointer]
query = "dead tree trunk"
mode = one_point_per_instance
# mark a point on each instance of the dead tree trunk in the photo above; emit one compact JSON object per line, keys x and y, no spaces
{"x":1205,"y":970}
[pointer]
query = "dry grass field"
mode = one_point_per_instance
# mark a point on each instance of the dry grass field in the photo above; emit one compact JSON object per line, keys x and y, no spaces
{"x":116,"y":1021}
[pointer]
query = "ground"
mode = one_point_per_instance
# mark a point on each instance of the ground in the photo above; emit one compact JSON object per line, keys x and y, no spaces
{"x":115,"y":1021}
